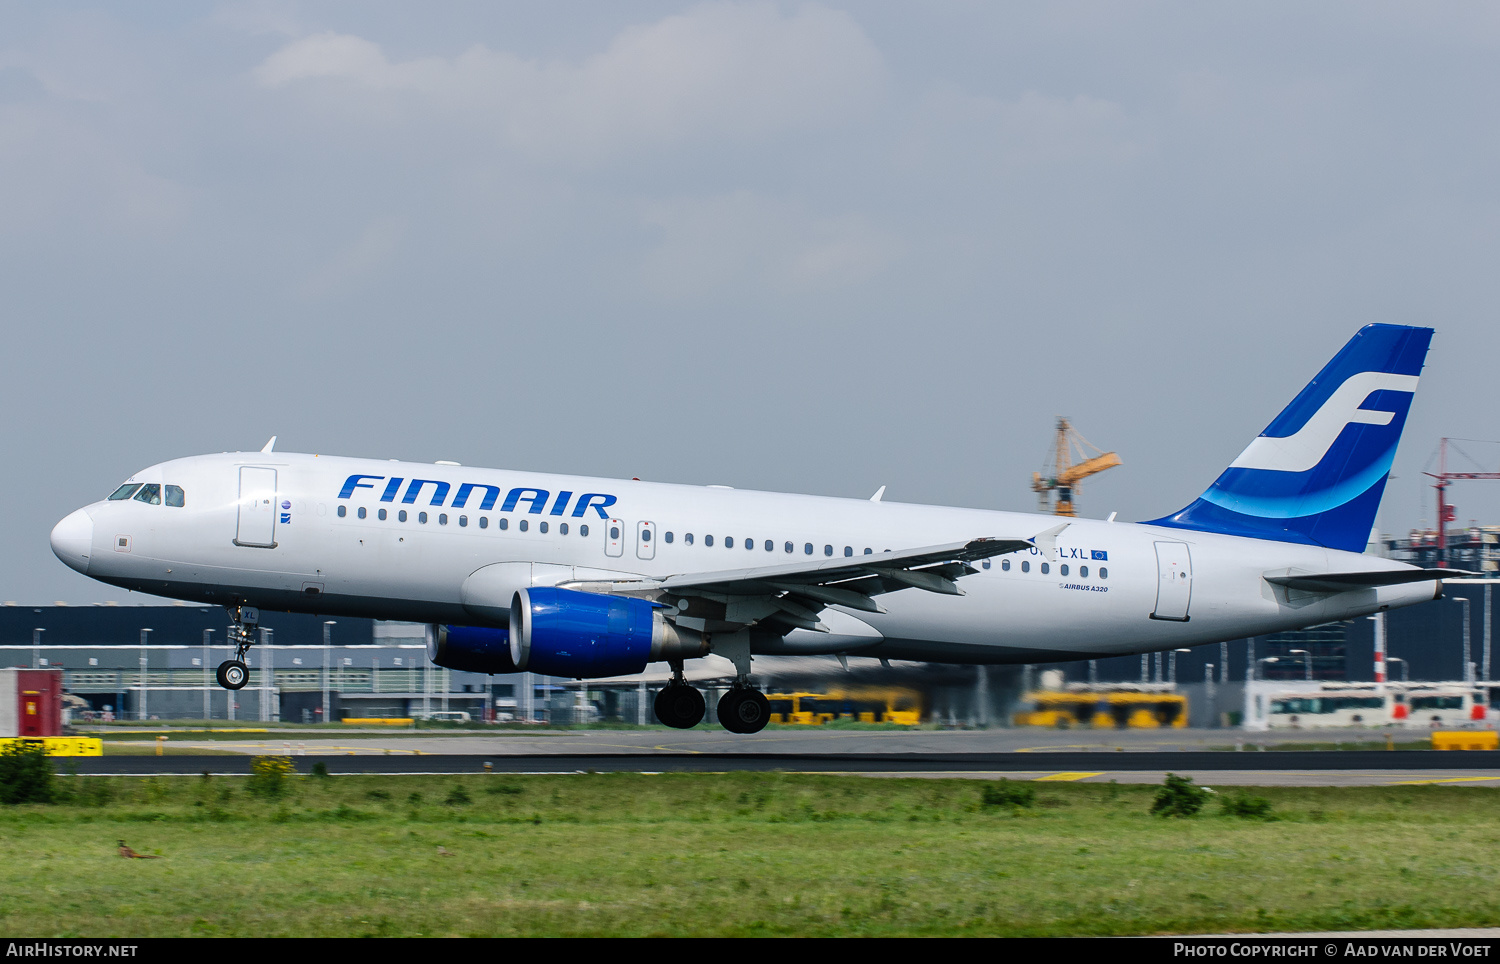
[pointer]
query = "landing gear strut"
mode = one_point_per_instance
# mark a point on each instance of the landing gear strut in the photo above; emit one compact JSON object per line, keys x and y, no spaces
{"x":744,"y":709}
{"x":233,"y":674}
{"x":678,"y":704}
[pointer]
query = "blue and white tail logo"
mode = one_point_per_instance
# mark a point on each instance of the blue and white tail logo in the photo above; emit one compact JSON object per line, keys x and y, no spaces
{"x":1316,"y":474}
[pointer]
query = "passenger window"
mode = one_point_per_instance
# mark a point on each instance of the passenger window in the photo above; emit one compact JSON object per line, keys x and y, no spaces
{"x":1046,"y":568}
{"x":125,"y":491}
{"x":807,"y":548}
{"x":524,"y":525}
{"x":668,"y":537}
{"x":442,"y":518}
{"x":985,"y":564}
{"x":1005,"y":565}
{"x":770,"y":546}
{"x":729,"y":542}
{"x":1103,"y":573}
{"x":583,"y":531}
{"x":382,"y":515}
{"x":504,"y":523}
{"x":422,"y":518}
{"x":1063,"y":569}
{"x":1025,"y":566}
{"x":150,"y":494}
{"x":869,"y":551}
{"x":362,"y":512}
{"x":828,"y":550}
{"x":484,"y":522}
{"x":708,"y":540}
{"x":848,"y":550}
{"x":562,"y":528}
{"x":645,"y":533}
{"x":1083,"y":572}
{"x":544,"y":527}
{"x":750,"y":544}
{"x":788,"y":547}
{"x":463,"y":522}
{"x":401,"y":516}
{"x":343,"y":511}
{"x":688,"y":538}
{"x":175,"y":496}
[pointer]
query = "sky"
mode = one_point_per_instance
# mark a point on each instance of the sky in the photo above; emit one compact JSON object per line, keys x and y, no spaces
{"x":800,"y":247}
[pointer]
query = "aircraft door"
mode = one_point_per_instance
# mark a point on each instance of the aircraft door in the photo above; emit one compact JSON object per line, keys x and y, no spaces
{"x":257,"y":511}
{"x":645,"y":540}
{"x":614,"y":534}
{"x":1174,"y":581}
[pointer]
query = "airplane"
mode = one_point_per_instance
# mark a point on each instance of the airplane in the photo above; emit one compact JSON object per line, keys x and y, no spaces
{"x":590,"y":578}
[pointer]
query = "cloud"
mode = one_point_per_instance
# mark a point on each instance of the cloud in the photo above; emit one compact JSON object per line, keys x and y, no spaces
{"x":372,"y":249}
{"x":745,"y":239}
{"x":718,"y":71}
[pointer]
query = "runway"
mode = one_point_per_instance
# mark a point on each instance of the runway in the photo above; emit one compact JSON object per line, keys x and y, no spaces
{"x":1285,"y":768}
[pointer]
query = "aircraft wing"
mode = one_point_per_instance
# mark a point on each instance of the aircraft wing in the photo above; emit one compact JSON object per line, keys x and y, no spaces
{"x":792,"y":595}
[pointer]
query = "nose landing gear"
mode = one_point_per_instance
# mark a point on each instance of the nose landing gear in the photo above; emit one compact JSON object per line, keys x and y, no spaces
{"x":233,"y":674}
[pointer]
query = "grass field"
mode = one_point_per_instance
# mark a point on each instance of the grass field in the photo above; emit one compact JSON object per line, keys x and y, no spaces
{"x":731,"y":854}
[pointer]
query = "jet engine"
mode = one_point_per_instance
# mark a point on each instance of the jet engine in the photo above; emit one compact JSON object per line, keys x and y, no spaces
{"x":473,"y":649}
{"x":585,"y":635}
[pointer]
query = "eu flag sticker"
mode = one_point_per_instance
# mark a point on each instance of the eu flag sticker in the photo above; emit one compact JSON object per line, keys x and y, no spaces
{"x":1100,"y":554}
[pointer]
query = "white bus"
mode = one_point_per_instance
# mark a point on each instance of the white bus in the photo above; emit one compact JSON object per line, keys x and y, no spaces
{"x":1427,"y":705}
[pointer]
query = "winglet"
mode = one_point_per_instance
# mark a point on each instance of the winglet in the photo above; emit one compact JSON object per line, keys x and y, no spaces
{"x":878,"y":493}
{"x":1047,"y":540}
{"x":270,"y":446}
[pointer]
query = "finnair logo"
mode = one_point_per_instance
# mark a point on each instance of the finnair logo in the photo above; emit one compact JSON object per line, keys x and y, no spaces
{"x":1306,"y":447}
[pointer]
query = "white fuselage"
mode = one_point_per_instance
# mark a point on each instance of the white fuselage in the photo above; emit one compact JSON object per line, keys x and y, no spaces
{"x":1105,"y":589}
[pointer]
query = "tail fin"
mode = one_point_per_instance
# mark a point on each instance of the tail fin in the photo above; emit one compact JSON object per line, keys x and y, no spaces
{"x":1316,"y":474}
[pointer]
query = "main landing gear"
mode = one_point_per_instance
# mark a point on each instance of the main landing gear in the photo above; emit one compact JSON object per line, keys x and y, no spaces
{"x":233,"y":674}
{"x":744,"y":709}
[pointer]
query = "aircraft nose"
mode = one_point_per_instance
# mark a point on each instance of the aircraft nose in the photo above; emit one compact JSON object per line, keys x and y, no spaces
{"x":73,"y":540}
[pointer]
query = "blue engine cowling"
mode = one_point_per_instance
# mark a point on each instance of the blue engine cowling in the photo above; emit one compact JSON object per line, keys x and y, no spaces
{"x":473,"y":649}
{"x":585,"y":635}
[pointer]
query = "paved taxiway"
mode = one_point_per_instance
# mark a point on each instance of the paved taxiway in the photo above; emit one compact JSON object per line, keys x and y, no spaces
{"x":1223,"y":757}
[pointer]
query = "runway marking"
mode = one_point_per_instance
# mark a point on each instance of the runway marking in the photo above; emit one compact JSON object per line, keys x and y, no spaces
{"x":1415,"y":783}
{"x":1067,"y":776}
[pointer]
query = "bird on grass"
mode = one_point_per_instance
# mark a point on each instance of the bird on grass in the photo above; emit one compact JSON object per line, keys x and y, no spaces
{"x":127,"y":852}
{"x":445,"y":852}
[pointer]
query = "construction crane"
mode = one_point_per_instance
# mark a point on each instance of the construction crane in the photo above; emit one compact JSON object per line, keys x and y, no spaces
{"x":1446,"y":511}
{"x":1063,"y":473}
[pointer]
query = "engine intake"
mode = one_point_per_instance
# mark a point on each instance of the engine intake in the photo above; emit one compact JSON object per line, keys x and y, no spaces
{"x":585,"y":635}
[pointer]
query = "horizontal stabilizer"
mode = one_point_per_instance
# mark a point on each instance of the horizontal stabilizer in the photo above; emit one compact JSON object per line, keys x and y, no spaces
{"x":1345,"y":581}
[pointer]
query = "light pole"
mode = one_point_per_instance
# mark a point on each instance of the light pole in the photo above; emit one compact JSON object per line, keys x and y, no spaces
{"x":1306,"y":661}
{"x":1468,"y":670}
{"x":1172,"y":666}
{"x":144,"y":666}
{"x":1267,"y":659}
{"x":1405,"y":673}
{"x":207,"y":708}
{"x":327,"y":651}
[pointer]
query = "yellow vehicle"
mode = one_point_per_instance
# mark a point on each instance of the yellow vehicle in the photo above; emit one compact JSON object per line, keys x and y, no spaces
{"x":1125,"y":707}
{"x":896,"y":706}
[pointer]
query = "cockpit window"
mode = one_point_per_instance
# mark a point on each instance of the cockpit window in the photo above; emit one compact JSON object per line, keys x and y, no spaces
{"x":150,"y":494}
{"x":174,"y":496}
{"x":125,"y":491}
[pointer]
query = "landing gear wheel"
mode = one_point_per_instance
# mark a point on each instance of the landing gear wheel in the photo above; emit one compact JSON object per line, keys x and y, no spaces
{"x":680,"y":706}
{"x":233,"y":674}
{"x":744,"y":711}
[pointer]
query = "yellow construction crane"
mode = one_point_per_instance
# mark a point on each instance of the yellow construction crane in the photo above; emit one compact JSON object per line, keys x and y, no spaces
{"x":1063,"y":473}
